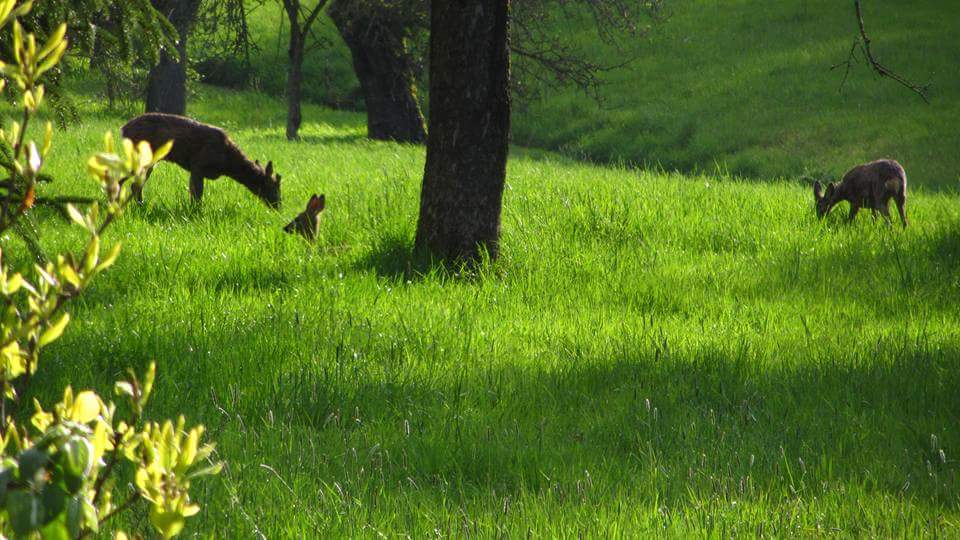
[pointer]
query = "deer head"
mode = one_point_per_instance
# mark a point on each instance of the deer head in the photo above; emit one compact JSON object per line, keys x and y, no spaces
{"x":268,"y":187}
{"x":824,"y":201}
{"x":307,"y":223}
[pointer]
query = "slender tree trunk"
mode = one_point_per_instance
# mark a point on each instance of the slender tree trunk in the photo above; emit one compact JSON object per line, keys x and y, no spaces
{"x":382,"y":64}
{"x":294,"y":81}
{"x":467,"y":147}
{"x":167,"y":81}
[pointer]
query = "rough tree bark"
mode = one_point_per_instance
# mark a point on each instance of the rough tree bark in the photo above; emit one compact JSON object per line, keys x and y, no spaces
{"x":167,"y":81}
{"x":299,"y":30}
{"x":467,"y":147}
{"x":381,"y":62}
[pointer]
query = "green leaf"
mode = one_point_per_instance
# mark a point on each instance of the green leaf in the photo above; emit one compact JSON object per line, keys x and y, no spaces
{"x":77,"y":456}
{"x":108,"y":261}
{"x":92,"y":255}
{"x":168,"y":523}
{"x":6,"y":476}
{"x":54,"y":499}
{"x":123,"y":388}
{"x":207,"y":471}
{"x":74,"y":515}
{"x":31,"y":461}
{"x":76,"y":216}
{"x":57,"y":529}
{"x":25,"y":512}
{"x":54,"y":331}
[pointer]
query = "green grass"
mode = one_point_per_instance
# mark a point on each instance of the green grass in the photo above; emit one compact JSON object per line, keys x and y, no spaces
{"x":746,"y":86}
{"x":743,"y":87}
{"x":653,"y":353}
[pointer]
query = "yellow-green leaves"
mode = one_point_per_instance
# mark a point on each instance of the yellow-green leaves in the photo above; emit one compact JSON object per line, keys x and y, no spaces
{"x":171,"y":458}
{"x":131,"y":167}
{"x":54,"y":331}
{"x":58,"y":474}
{"x":29,"y":62}
{"x":81,"y":438}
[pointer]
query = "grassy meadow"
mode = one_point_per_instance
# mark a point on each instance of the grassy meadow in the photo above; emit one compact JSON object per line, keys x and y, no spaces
{"x":740,"y":87}
{"x":654,"y":354}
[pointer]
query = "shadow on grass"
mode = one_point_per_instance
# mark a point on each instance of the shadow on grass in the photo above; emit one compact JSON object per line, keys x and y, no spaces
{"x":394,"y":257}
{"x":343,"y":138}
{"x":701,"y":422}
{"x":635,"y":417}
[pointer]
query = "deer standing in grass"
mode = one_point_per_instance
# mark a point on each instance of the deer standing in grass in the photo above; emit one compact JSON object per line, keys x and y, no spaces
{"x":870,"y":185}
{"x":307,"y":223}
{"x":206,"y":151}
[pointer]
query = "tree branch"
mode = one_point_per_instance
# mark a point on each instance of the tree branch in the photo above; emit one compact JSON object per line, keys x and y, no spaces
{"x":862,"y":43}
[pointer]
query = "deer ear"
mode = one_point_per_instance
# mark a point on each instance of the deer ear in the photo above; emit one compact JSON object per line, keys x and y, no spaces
{"x":316,"y":204}
{"x":278,"y":179}
{"x":831,"y":188}
{"x":269,"y":169}
{"x":818,"y":190}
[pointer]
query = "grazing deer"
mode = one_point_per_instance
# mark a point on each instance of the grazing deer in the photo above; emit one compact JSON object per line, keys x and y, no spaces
{"x":870,"y":185}
{"x":206,"y":152}
{"x":307,"y":223}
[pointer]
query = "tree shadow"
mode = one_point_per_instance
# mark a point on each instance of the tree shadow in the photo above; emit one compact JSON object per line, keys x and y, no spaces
{"x":340,"y":138}
{"x":677,"y":420}
{"x":164,"y":213}
{"x":393,"y":257}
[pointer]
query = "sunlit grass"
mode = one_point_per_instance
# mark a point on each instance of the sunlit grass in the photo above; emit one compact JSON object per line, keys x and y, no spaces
{"x":653,"y":353}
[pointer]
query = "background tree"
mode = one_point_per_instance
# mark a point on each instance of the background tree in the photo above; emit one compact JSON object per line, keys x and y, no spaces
{"x":116,"y":37}
{"x":167,"y":81}
{"x":221,"y":44}
{"x":378,"y":34}
{"x":301,"y":19}
{"x":468,"y":140}
{"x":382,"y":34}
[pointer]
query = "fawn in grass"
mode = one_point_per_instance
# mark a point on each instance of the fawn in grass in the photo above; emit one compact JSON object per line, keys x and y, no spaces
{"x":307,"y":223}
{"x":870,"y":185}
{"x":206,"y":151}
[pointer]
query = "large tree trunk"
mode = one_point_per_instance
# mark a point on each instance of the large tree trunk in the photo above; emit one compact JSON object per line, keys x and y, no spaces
{"x":294,"y":83}
{"x":469,"y":133}
{"x":167,"y":85}
{"x":167,"y":82}
{"x":382,"y":64}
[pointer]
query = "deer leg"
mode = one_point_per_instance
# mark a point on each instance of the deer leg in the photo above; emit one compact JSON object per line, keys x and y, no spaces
{"x":196,"y":186}
{"x":901,"y":201}
{"x":854,"y":208}
{"x":137,"y":189}
{"x":885,"y":211}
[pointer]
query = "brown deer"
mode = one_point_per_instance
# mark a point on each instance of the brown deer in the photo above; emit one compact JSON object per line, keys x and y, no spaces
{"x":307,"y":223}
{"x":870,"y":185}
{"x":206,"y":151}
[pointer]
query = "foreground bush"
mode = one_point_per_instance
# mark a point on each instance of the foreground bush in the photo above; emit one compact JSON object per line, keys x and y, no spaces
{"x":58,"y":475}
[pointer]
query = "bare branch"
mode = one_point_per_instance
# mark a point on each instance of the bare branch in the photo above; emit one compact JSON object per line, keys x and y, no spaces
{"x":862,"y":43}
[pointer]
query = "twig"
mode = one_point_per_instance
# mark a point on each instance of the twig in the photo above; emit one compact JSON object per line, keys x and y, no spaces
{"x":862,"y":42}
{"x":126,"y":504}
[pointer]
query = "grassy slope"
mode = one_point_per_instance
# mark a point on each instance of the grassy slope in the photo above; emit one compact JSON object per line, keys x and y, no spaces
{"x":745,"y":85}
{"x":740,"y":85}
{"x":652,"y":353}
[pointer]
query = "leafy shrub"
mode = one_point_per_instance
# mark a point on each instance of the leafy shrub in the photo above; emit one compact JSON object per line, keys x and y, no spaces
{"x":58,"y":471}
